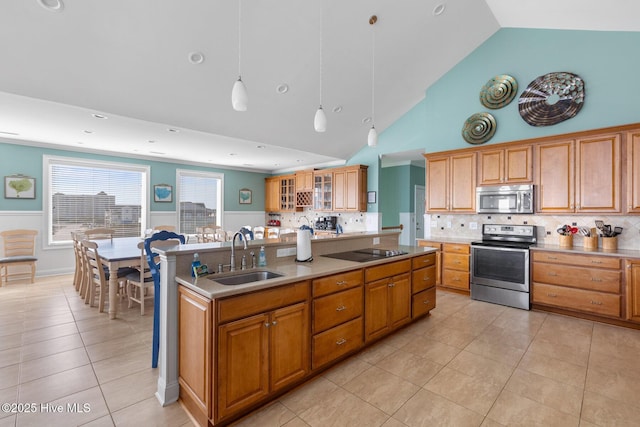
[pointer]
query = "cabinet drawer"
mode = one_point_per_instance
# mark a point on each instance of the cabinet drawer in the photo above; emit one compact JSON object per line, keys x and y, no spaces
{"x":336,"y":282}
{"x":337,"y":308}
{"x":258,"y":302}
{"x":593,"y":279}
{"x":429,"y":243}
{"x":577,"y":299}
{"x":455,"y":261}
{"x":423,"y":278}
{"x":386,"y":270}
{"x":577,"y":260}
{"x":456,"y":248}
{"x":423,"y":302}
{"x":455,"y":279}
{"x":330,"y":345}
{"x":423,"y":260}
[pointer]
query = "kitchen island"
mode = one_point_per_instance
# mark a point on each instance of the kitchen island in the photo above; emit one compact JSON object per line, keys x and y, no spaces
{"x":241,"y":346}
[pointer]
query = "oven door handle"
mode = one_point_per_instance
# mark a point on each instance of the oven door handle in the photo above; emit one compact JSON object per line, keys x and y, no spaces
{"x":498,"y":248}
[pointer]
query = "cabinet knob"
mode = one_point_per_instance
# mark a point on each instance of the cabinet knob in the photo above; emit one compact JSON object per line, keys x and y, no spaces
{"x":391,"y":285}
{"x":266,"y":325}
{"x":274,"y":323}
{"x":341,"y":308}
{"x":341,"y":341}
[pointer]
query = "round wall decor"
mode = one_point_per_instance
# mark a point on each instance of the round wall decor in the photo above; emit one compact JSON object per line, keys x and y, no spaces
{"x":552,"y":98}
{"x":479,"y":128}
{"x":498,"y":92}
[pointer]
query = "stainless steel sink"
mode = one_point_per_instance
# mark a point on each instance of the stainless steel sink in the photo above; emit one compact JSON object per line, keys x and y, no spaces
{"x":247,"y":277}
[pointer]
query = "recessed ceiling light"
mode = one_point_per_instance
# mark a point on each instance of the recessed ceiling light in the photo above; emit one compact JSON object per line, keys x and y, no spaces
{"x":233,"y":154}
{"x":80,"y":143}
{"x":439,"y":9}
{"x":173,"y":130}
{"x":366,"y":120}
{"x":260,"y":146}
{"x":151,"y":141}
{"x":282,"y":88}
{"x":52,"y":5}
{"x":299,"y":160}
{"x":88,"y":131}
{"x":196,"y":57}
{"x":99,"y":116}
{"x":337,"y":108}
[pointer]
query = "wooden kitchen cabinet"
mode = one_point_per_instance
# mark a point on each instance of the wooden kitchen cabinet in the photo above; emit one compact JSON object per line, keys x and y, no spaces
{"x":272,"y":194}
{"x":195,"y":349}
{"x":323,"y":190}
{"x":633,"y":290}
{"x":350,"y":189}
{"x":304,"y":188}
{"x":581,"y":176}
{"x":423,"y":284}
{"x":287,"y":193}
{"x":455,"y":266}
{"x":451,"y":183}
{"x":438,"y":254}
{"x":511,"y":165}
{"x":633,"y":171}
{"x":585,"y":283}
{"x":387,"y":297}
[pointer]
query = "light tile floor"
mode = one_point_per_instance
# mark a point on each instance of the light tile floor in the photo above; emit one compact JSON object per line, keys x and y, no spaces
{"x":468,"y":364}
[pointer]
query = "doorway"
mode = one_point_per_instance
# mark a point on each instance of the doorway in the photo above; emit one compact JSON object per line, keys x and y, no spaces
{"x":419,"y":203}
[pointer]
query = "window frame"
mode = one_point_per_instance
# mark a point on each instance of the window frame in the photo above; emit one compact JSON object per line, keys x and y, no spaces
{"x":204,"y":174}
{"x":49,"y":161}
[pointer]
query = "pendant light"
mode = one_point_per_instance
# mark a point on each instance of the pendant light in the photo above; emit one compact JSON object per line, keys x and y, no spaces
{"x":320,"y":119}
{"x":239,"y":96}
{"x":372,"y":137}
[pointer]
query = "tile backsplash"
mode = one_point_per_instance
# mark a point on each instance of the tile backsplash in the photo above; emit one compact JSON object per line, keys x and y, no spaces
{"x":470,"y":226}
{"x":350,"y":222}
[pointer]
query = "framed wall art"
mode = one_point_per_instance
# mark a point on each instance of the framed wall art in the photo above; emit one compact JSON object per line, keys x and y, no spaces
{"x":162,"y":193}
{"x":19,"y":187}
{"x":245,"y":196}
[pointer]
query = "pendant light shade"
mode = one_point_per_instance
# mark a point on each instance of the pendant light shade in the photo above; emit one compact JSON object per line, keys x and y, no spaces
{"x":239,"y":96}
{"x":372,"y":138}
{"x":320,"y":120}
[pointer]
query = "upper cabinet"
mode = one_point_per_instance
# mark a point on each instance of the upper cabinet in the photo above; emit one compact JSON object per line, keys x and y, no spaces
{"x":451,"y":183}
{"x":581,"y":176}
{"x":350,"y":188}
{"x":633,"y":171}
{"x":512,"y":165}
{"x":304,"y":188}
{"x":323,"y":190}
{"x":272,"y":194}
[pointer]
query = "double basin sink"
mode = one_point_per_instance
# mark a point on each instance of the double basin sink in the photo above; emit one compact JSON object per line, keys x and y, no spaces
{"x":245,"y":276}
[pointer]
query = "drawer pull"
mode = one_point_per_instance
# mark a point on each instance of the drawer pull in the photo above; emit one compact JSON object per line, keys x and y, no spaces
{"x":341,"y":283}
{"x":596,"y":302}
{"x":595,"y":279}
{"x":425,"y":279}
{"x":596,"y":262}
{"x":426,"y":302}
{"x":551,"y":295}
{"x":341,"y":341}
{"x":551,"y":257}
{"x":551,"y":273}
{"x":456,"y":279}
{"x":341,"y":308}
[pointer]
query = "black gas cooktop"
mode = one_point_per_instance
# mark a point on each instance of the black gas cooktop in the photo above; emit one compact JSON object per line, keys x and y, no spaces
{"x":364,"y":255}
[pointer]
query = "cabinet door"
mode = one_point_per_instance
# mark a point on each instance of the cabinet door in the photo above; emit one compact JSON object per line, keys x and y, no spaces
{"x":289,"y":345}
{"x":243,"y":359}
{"x":463,"y":183}
{"x":272,"y":195}
{"x":555,"y":177}
{"x":437,"y":181}
{"x":339,"y":186}
{"x":518,"y":164}
{"x":399,"y":300}
{"x":633,"y":291}
{"x":376,"y":303}
{"x":633,"y":171}
{"x":491,"y":167}
{"x":598,"y":174}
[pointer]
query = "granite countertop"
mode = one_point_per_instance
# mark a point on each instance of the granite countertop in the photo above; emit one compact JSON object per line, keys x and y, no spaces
{"x":292,"y":272}
{"x":624,"y":253}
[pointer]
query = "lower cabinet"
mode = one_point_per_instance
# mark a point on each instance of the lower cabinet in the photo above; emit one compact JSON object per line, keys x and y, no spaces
{"x":633,"y":290}
{"x":584,"y":283}
{"x":423,"y":284}
{"x":455,"y":266}
{"x":387,"y":298}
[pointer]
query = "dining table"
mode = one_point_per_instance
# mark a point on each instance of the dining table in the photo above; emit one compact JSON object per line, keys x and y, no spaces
{"x":116,"y":253}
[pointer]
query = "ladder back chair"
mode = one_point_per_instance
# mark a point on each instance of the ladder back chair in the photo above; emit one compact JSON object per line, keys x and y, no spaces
{"x":19,"y":251}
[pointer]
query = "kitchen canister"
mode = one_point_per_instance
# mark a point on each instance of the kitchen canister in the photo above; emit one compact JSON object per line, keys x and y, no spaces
{"x":610,"y":243}
{"x":565,"y":241}
{"x":590,"y":242}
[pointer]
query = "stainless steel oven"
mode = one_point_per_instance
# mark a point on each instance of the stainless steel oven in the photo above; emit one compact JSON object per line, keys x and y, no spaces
{"x":500,"y":265}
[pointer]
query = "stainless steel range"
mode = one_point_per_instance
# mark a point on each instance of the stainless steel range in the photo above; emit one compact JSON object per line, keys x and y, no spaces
{"x":500,"y":265}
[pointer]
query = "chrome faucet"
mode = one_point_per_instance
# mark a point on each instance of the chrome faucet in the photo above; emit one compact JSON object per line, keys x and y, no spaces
{"x":233,"y":249}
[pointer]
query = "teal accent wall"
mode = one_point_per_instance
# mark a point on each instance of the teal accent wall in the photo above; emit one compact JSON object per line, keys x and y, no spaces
{"x":396,"y":191}
{"x":27,"y":160}
{"x":604,"y":60}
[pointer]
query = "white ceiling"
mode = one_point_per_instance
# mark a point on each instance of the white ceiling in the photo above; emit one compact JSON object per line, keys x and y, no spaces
{"x":129,"y":61}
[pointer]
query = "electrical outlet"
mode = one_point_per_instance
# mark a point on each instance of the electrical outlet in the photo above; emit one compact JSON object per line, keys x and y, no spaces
{"x":448,"y":224}
{"x":283,"y":252}
{"x":473,"y":226}
{"x":376,"y":240}
{"x":434,"y":224}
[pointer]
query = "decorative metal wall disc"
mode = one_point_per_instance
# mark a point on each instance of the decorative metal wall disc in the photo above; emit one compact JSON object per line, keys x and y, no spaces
{"x":499,"y":91}
{"x":479,"y":128}
{"x":552,"y":98}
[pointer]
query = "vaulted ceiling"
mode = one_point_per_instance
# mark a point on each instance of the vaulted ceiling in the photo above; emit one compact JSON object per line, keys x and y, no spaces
{"x":153,"y":78}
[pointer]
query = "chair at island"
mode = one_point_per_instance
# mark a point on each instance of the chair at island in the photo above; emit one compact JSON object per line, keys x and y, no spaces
{"x":19,"y":251}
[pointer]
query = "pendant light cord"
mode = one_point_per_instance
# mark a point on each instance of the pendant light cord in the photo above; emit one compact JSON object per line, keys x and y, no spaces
{"x":239,"y":36}
{"x":320,"y":3}
{"x":373,"y":72}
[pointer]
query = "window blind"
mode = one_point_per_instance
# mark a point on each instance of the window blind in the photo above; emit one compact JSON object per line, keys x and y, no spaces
{"x":199,"y":200}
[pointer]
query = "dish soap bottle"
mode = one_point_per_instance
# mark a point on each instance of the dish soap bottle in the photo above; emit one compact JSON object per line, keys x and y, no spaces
{"x":262,"y":258}
{"x":195,"y":264}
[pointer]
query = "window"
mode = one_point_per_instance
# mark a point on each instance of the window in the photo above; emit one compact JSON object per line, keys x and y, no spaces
{"x":83,"y":194}
{"x":200,"y":199}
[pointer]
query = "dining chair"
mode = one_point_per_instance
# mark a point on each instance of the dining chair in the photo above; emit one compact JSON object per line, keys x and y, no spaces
{"x":78,"y":276}
{"x":164,"y":227}
{"x":139,"y":283}
{"x":163,"y":238}
{"x":98,"y":282}
{"x":246,"y":233}
{"x":19,"y":250}
{"x":99,"y":233}
{"x":258,"y":232}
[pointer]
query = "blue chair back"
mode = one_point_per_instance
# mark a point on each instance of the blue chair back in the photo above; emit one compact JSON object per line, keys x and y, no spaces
{"x":246,"y":232}
{"x":154,"y":268}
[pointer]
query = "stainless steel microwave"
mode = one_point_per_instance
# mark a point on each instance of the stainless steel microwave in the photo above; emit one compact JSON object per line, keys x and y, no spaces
{"x":510,"y":199}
